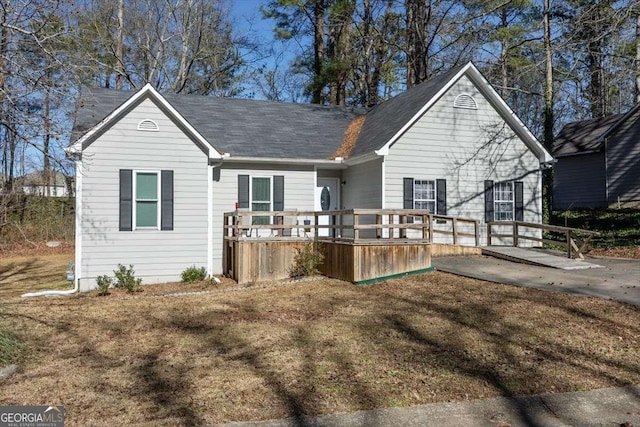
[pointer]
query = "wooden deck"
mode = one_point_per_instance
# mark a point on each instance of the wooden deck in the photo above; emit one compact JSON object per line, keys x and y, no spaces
{"x":360,"y":245}
{"x":537,"y":257}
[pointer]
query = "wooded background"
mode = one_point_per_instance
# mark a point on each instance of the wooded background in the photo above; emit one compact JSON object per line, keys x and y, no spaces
{"x":554,"y":61}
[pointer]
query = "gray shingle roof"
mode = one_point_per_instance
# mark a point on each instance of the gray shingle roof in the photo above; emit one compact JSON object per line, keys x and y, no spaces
{"x":387,"y":118}
{"x":241,"y":127}
{"x":251,"y":128}
{"x":583,"y":136}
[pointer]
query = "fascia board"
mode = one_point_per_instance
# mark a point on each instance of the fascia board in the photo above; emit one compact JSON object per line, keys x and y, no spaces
{"x":147,"y":90}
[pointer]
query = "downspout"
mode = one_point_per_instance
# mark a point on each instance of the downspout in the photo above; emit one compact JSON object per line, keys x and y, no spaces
{"x":210,"y":173}
{"x":78,"y":244}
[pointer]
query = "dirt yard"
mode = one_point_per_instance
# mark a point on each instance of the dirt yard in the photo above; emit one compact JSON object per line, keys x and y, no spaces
{"x":314,"y":347}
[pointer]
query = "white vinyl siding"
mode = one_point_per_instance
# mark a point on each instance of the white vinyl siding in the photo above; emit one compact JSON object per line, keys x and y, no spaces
{"x":157,"y":256}
{"x":465,"y":147}
{"x":362,"y":186}
{"x":299,"y":189}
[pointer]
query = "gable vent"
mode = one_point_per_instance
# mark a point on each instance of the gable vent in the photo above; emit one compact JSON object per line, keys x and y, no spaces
{"x":465,"y":101}
{"x":148,"y":124}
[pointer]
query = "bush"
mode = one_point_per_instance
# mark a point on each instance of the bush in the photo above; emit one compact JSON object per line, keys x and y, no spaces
{"x":126,"y":279}
{"x":11,"y":347}
{"x":194,"y":274}
{"x":306,"y":261}
{"x":104,"y":283}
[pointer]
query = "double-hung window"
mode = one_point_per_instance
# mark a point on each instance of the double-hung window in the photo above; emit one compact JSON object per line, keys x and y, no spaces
{"x":261,"y":198}
{"x":424,"y":195}
{"x":146,"y":200}
{"x":503,"y":201}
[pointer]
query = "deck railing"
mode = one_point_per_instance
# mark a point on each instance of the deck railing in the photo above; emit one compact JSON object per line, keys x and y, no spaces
{"x":574,"y":240}
{"x":350,"y":225}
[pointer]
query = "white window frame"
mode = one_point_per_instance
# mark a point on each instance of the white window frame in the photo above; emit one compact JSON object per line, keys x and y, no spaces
{"x":498,"y":201}
{"x":251,"y":201}
{"x":435,"y":194}
{"x":158,"y":201}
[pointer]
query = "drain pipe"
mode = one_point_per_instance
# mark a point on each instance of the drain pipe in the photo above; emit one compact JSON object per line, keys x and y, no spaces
{"x":53,"y":293}
{"x":70,"y":277}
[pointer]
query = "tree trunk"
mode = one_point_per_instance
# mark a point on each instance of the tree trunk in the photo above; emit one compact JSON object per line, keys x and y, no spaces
{"x":416,"y":20}
{"x":504,"y":53}
{"x":120,"y":46}
{"x":548,"y":114}
{"x":318,"y":51}
{"x":46,"y":170}
{"x":637,"y":65}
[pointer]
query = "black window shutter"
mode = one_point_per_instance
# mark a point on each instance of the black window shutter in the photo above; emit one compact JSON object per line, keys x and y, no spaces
{"x":166,"y":200}
{"x":488,"y":201}
{"x":408,"y":193}
{"x":278,"y":193}
{"x":518,"y":188}
{"x":243,"y":191}
{"x":126,"y":199}
{"x":441,"y":196}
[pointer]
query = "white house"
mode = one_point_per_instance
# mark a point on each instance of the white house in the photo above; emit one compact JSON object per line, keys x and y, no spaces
{"x":155,"y":173}
{"x":35,"y":184}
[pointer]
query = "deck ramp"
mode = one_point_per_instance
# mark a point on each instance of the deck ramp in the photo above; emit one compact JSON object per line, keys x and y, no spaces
{"x":536,"y":257}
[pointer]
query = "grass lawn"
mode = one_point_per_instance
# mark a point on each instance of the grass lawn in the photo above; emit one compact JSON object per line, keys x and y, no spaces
{"x":313,"y":347}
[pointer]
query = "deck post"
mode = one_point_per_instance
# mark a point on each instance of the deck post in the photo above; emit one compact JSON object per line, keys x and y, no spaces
{"x":379,"y":229}
{"x":515,"y":234}
{"x":568,"y":232}
{"x":391,"y":231}
{"x":430,"y":228}
{"x":356,"y":231}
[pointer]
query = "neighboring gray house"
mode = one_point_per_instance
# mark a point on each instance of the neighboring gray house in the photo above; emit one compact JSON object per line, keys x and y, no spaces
{"x":155,"y":173}
{"x":598,"y":162}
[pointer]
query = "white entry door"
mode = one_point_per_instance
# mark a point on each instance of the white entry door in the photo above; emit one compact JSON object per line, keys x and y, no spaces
{"x":327,"y":199}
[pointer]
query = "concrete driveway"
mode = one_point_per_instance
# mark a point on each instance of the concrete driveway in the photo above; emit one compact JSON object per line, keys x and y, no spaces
{"x":618,"y":280}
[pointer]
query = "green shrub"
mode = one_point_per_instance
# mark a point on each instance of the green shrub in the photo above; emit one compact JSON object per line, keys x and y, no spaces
{"x":10,"y":347}
{"x":306,"y":261}
{"x":126,"y":279}
{"x":104,"y":283}
{"x":194,"y":274}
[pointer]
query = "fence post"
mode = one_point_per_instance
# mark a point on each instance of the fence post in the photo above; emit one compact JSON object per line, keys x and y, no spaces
{"x":379,"y":229}
{"x":430,"y":228}
{"x":515,"y":234}
{"x":455,"y":230}
{"x":569,"y":243}
{"x":488,"y":233}
{"x":476,"y":229}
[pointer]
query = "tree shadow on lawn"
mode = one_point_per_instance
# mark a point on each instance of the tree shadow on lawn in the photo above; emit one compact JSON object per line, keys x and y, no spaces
{"x":397,"y":322}
{"x":35,"y":273}
{"x":453,"y":351}
{"x":300,"y":398}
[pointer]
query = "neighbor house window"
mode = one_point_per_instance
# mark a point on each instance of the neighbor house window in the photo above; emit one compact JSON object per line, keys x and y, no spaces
{"x":146,"y":200}
{"x":503,"y":201}
{"x":261,"y":198}
{"x":424,"y":195}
